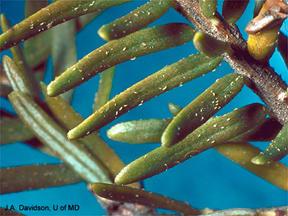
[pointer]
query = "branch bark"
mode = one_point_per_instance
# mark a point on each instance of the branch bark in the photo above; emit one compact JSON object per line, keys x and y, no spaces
{"x":115,"y":208}
{"x":264,"y":81}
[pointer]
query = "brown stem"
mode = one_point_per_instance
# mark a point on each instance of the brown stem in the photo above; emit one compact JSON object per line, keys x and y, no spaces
{"x":264,"y":81}
{"x":252,"y":212}
{"x":115,"y":208}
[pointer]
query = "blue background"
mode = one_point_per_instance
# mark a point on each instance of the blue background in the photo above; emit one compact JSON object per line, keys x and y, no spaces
{"x":207,"y":180}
